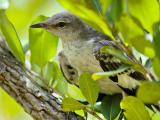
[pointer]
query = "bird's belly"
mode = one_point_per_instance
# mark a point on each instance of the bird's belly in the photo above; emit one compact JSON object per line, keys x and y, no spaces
{"x":88,"y":63}
{"x":83,"y":60}
{"x":80,"y":56}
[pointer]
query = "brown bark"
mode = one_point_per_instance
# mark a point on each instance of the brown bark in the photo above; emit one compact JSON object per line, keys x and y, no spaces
{"x":20,"y":84}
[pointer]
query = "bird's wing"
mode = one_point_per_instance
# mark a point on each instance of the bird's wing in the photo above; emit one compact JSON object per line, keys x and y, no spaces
{"x":112,"y":55}
{"x":108,"y":60}
{"x":68,"y":71}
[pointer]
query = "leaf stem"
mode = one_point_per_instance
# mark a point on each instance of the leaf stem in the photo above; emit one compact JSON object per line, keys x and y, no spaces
{"x":92,"y":113}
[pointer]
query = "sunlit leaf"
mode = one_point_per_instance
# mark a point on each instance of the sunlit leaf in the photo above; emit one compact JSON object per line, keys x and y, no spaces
{"x":135,"y":36}
{"x":89,"y":87}
{"x":156,"y":116}
{"x":134,"y":109}
{"x":105,"y":5}
{"x":70,"y":104}
{"x":75,"y":92}
{"x":80,"y":113}
{"x":111,"y":106}
{"x":145,"y":11}
{"x":101,"y":75}
{"x":43,"y":45}
{"x":88,"y":15}
{"x":6,"y":102}
{"x":149,"y":92}
{"x":11,"y":36}
{"x":128,"y":28}
{"x":147,"y":48}
{"x":4,"y":4}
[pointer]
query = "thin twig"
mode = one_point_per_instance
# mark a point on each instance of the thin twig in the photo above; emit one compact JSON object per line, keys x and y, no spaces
{"x":93,"y":113}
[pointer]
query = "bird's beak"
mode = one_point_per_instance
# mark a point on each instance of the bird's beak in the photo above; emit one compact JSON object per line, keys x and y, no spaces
{"x":39,"y":25}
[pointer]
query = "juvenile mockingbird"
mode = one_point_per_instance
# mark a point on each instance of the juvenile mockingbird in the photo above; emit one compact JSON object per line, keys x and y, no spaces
{"x":81,"y":53}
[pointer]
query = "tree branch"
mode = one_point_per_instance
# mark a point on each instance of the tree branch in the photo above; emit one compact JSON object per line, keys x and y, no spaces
{"x":19,"y":84}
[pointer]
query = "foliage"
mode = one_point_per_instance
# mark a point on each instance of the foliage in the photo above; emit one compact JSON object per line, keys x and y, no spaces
{"x":86,"y":85}
{"x":20,"y":14}
{"x":110,"y":106}
{"x":85,"y":10}
{"x":152,"y":95}
{"x":136,"y":23}
{"x":44,"y":47}
{"x":134,"y":109}
{"x":70,"y":104}
{"x":11,"y":36}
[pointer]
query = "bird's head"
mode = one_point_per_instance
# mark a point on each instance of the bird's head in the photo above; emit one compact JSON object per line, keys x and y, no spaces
{"x":65,"y":25}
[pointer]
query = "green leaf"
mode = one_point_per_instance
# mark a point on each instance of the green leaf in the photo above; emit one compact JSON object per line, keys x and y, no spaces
{"x":89,"y":87}
{"x":147,"y":49}
{"x":129,"y":30}
{"x":11,"y":36}
{"x":156,"y":37}
{"x":132,"y":33}
{"x":4,"y":4}
{"x":69,"y":104}
{"x":111,"y":106}
{"x":80,"y":113}
{"x":50,"y":72}
{"x":75,"y":92}
{"x":148,"y":92}
{"x":115,"y":12}
{"x":43,"y":45}
{"x":105,"y":4}
{"x":156,"y":42}
{"x":101,"y":75}
{"x":6,"y":102}
{"x":60,"y":84}
{"x":156,"y":64}
{"x":145,"y":11}
{"x":97,"y":6}
{"x":156,"y":116}
{"x":86,"y":14}
{"x":134,"y":109}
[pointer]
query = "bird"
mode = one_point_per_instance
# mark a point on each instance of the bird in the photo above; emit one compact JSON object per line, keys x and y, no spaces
{"x":81,"y":53}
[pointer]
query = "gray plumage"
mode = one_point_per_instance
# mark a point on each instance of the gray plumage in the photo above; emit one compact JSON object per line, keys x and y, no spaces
{"x":81,"y":53}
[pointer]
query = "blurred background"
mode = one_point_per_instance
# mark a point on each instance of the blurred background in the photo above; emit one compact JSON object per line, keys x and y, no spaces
{"x":21,"y":13}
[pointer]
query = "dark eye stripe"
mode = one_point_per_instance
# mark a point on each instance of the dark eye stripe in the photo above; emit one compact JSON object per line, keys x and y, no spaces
{"x":61,"y":24}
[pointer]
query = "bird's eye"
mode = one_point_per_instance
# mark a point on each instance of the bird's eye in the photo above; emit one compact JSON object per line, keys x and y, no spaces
{"x":61,"y":24}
